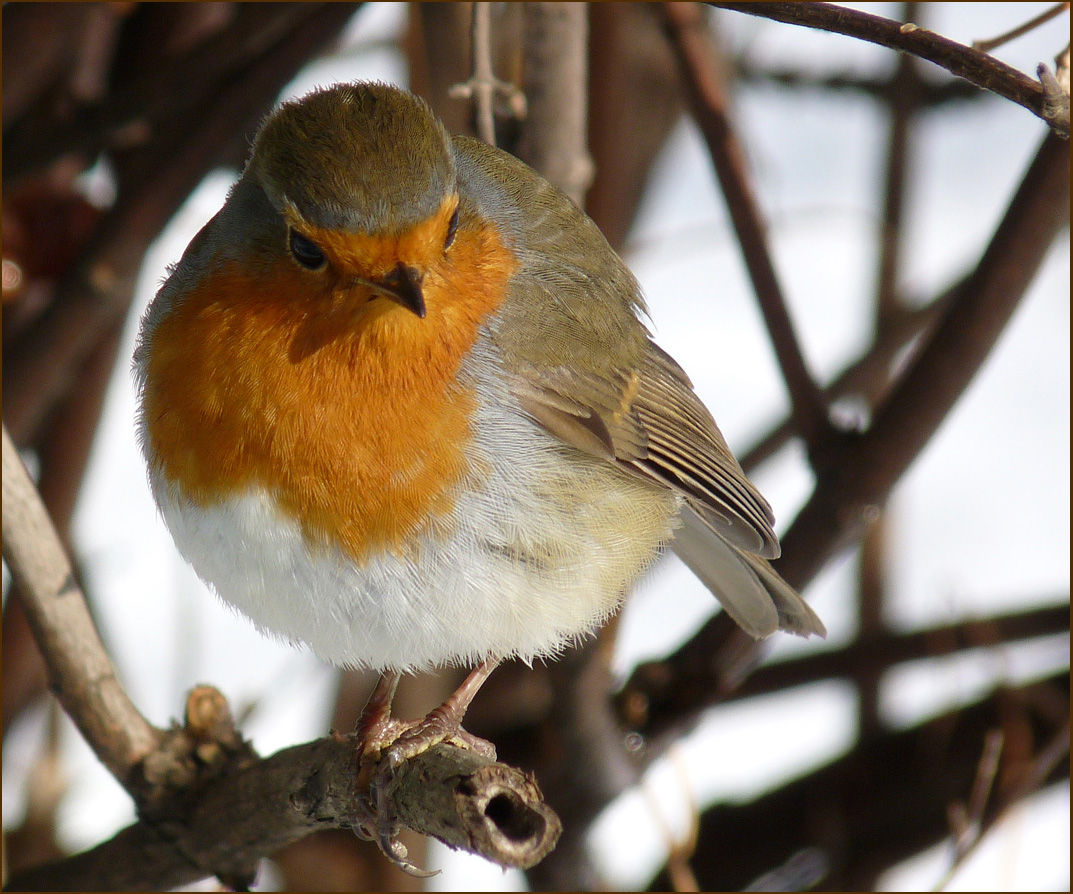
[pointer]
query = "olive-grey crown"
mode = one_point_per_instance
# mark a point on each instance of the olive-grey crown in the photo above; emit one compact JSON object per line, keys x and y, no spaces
{"x":359,"y":157}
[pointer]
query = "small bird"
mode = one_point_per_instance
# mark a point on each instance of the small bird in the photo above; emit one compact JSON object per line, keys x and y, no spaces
{"x":397,"y":404}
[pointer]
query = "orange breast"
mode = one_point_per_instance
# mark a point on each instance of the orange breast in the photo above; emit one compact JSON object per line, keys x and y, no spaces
{"x":347,"y":409}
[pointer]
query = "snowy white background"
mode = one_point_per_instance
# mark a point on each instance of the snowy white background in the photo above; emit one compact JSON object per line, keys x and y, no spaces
{"x":980,"y":523}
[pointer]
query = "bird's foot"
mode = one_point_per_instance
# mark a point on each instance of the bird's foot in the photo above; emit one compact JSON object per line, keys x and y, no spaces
{"x":387,"y":744}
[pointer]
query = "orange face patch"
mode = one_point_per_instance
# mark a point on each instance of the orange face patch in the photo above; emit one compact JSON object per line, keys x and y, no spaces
{"x":374,"y":257}
{"x":342,"y":405}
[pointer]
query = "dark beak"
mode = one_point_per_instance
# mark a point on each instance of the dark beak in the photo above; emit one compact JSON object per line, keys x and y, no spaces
{"x":403,"y":286}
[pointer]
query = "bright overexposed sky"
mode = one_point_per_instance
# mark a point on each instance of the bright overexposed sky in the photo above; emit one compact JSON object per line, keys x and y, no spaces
{"x":980,"y":523}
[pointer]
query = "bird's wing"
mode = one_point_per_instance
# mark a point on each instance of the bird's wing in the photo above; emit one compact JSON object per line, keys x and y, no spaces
{"x":649,"y":420}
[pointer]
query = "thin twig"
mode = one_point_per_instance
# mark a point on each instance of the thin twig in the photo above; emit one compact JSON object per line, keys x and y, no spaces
{"x":979,"y":68}
{"x":483,"y":86}
{"x":933,"y":95}
{"x":979,"y":819}
{"x":966,"y":821}
{"x":986,"y":46}
{"x":708,"y":99}
{"x":483,"y":79}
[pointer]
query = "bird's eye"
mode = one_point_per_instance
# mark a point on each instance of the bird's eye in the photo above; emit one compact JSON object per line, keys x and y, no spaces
{"x":452,"y":229}
{"x":306,"y":252}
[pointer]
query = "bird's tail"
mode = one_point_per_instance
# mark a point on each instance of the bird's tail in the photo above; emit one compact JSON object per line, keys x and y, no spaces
{"x":747,"y":586}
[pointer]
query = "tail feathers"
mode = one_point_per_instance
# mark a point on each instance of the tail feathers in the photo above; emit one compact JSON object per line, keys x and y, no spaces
{"x":748,"y":587}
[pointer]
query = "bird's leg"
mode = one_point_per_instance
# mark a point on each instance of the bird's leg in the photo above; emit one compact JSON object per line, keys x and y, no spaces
{"x":376,"y":729}
{"x":388,"y":743}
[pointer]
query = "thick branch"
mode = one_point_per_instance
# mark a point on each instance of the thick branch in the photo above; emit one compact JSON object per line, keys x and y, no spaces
{"x":63,"y":454}
{"x":872,"y":464}
{"x":244,"y":815}
{"x":634,"y":101}
{"x":555,"y":78}
{"x":221,"y":821}
{"x":884,"y":801}
{"x":662,"y":698}
{"x":979,"y":68}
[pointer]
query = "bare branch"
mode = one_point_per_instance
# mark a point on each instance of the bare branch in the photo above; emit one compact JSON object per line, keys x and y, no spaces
{"x":979,"y":68}
{"x":662,"y":698}
{"x":247,"y":813}
{"x":871,"y":464}
{"x":179,"y":143}
{"x":903,"y":101}
{"x":882,"y":802}
{"x":708,"y":98}
{"x":933,"y":95}
{"x":583,"y":725}
{"x":467,"y":801}
{"x":484,"y":86}
{"x":635,"y":100}
{"x":967,"y":819}
{"x":80,"y":672}
{"x":869,"y":375}
{"x":555,"y":77}
{"x":483,"y":83}
{"x":982,"y":816}
{"x":986,"y":46}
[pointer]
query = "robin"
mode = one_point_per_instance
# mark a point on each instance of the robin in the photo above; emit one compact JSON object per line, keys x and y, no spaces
{"x":397,"y":404}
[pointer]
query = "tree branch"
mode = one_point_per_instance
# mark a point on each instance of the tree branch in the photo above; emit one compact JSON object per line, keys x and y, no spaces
{"x":483,"y":86}
{"x":635,"y":99}
{"x":986,"y":46}
{"x":555,"y":78}
{"x":664,"y":697}
{"x":708,"y":99}
{"x":869,"y":375}
{"x":872,"y":463}
{"x":235,"y":818}
{"x":80,"y":672}
{"x":978,"y":68}
{"x":208,"y":806}
{"x":932,"y":95}
{"x":883,"y":801}
{"x":180,"y":143}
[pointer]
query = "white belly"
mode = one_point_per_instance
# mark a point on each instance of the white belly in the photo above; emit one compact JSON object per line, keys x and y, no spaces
{"x":539,"y":555}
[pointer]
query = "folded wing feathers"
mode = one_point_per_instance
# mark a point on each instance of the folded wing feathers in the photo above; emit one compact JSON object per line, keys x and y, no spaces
{"x":684,"y":442}
{"x":651,"y":422}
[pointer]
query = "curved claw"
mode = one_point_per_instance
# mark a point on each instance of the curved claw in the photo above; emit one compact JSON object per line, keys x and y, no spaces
{"x":396,"y":852}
